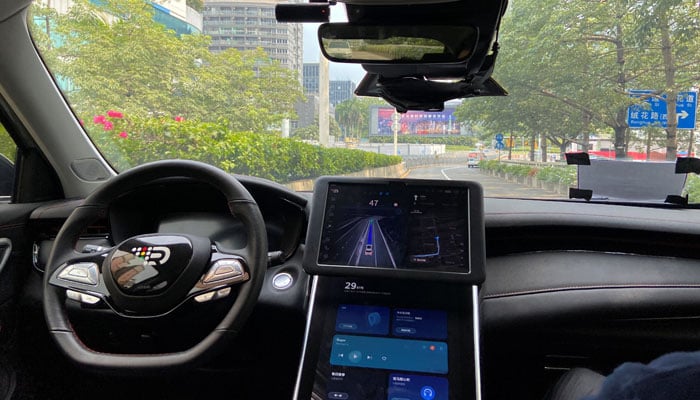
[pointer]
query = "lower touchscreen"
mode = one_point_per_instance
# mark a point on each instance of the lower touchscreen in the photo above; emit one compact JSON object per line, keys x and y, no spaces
{"x":386,"y":353}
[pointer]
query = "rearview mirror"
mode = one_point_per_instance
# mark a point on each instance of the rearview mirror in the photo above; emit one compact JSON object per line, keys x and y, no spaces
{"x":407,"y":44}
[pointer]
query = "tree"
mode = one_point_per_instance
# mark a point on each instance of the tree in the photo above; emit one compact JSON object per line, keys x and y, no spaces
{"x":584,"y":57}
{"x":353,"y":115}
{"x":669,"y":30}
{"x":310,"y":132}
{"x":116,"y":57}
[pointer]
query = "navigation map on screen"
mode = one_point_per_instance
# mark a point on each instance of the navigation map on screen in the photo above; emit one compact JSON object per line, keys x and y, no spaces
{"x":395,"y":226}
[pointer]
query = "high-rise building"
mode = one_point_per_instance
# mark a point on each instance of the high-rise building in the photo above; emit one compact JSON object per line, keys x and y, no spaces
{"x":247,"y":25}
{"x":310,"y":78}
{"x":341,"y":91}
{"x":174,"y":14}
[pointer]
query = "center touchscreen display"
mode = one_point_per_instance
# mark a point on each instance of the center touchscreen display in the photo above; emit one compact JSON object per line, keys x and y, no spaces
{"x":394,"y":225}
{"x":379,"y":340}
{"x":401,"y":350}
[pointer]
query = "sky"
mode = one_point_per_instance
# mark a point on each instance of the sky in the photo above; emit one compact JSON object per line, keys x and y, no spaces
{"x":338,"y":71}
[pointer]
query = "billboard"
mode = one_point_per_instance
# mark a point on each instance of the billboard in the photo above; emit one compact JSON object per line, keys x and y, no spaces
{"x":441,"y":123}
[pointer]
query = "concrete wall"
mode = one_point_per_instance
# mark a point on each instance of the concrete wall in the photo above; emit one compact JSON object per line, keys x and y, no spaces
{"x":394,"y":171}
{"x":404,"y":149}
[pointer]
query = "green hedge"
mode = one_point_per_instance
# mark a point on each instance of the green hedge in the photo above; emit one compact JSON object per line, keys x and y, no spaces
{"x":565,"y":174}
{"x":448,"y":140}
{"x":692,"y":188}
{"x":133,"y":141}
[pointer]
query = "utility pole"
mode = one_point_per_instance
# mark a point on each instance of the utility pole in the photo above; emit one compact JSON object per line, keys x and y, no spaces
{"x":395,"y":126}
{"x":323,"y":101}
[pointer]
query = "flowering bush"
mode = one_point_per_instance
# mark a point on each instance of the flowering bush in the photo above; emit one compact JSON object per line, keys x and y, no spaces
{"x":565,"y":174}
{"x":130,"y":141}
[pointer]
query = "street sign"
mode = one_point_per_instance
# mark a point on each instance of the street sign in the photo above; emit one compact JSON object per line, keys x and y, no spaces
{"x":500,"y":146}
{"x":654,"y":110}
{"x":499,"y":137}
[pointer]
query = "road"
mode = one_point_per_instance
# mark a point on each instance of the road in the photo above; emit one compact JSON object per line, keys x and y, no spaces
{"x":371,"y":248}
{"x":493,"y":186}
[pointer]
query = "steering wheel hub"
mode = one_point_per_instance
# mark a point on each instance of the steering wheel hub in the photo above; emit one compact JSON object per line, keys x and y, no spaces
{"x":148,"y":265}
{"x":151,"y":274}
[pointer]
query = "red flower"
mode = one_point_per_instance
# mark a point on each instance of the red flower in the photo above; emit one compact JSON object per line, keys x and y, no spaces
{"x":82,"y":123}
{"x":108,"y":126}
{"x":99,"y":119}
{"x":115,"y":114}
{"x":179,"y":119}
{"x":123,"y":135}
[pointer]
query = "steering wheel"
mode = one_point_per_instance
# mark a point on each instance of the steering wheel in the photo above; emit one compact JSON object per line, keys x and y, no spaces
{"x":148,"y":276}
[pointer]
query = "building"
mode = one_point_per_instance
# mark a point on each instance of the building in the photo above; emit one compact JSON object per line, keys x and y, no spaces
{"x":310,"y":78}
{"x":341,"y":91}
{"x":307,"y":111}
{"x":248,"y":25}
{"x":174,"y":14}
{"x":178,"y":16}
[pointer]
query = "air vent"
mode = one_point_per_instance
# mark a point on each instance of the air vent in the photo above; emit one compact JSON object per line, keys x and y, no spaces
{"x":97,"y":234}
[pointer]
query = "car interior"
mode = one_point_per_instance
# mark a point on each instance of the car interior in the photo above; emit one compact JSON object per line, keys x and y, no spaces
{"x":175,"y":279}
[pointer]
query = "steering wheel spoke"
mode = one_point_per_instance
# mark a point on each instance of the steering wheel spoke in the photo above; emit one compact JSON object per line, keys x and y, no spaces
{"x":226,"y":269}
{"x":81,"y":277}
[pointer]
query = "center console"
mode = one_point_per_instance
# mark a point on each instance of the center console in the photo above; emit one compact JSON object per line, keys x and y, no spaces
{"x":394,"y":304}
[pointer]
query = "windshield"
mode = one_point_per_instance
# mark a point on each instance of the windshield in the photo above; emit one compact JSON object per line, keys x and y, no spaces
{"x":222,"y":82}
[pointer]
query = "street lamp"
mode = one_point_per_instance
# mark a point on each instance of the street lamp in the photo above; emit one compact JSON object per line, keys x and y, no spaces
{"x":395,"y":118}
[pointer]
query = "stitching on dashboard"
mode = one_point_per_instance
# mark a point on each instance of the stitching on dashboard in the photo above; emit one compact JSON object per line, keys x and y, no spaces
{"x":591,"y":287}
{"x":48,"y":208}
{"x":11,"y":226}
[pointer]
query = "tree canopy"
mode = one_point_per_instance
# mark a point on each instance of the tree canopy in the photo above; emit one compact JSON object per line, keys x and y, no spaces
{"x":569,"y":70}
{"x":111,"y":55}
{"x":353,"y":115}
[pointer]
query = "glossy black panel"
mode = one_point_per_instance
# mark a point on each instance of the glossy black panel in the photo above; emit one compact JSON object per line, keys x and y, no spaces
{"x":148,"y":265}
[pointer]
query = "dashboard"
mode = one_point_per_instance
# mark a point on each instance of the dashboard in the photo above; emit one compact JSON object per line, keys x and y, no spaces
{"x":567,"y":284}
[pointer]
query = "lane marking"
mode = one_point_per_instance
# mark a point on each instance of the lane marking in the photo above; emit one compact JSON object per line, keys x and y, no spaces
{"x":442,"y":171}
{"x":388,"y":250}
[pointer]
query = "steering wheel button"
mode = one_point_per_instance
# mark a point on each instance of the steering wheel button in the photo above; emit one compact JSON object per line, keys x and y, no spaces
{"x":223,"y":292}
{"x":89,"y":299}
{"x":78,"y":273}
{"x":204,"y":297}
{"x":85,"y":272}
{"x":73,"y":295}
{"x":223,"y":270}
{"x":82,"y":297}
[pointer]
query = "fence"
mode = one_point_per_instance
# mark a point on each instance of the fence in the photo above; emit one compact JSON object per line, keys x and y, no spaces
{"x":451,"y":158}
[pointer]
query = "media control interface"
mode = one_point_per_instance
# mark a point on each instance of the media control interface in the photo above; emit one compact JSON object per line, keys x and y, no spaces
{"x":403,"y":350}
{"x":373,"y":339}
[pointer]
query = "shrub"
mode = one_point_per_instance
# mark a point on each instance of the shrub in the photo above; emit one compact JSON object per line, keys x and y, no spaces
{"x":692,"y":188}
{"x":555,"y":173}
{"x":131,"y":141}
{"x":561,"y":174}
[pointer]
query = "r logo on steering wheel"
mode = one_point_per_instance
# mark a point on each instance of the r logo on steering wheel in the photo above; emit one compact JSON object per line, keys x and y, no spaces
{"x":152,"y":255}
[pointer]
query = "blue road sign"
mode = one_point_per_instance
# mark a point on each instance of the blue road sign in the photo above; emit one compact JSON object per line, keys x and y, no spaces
{"x":500,"y":146}
{"x":499,"y":137}
{"x":654,"y":110}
